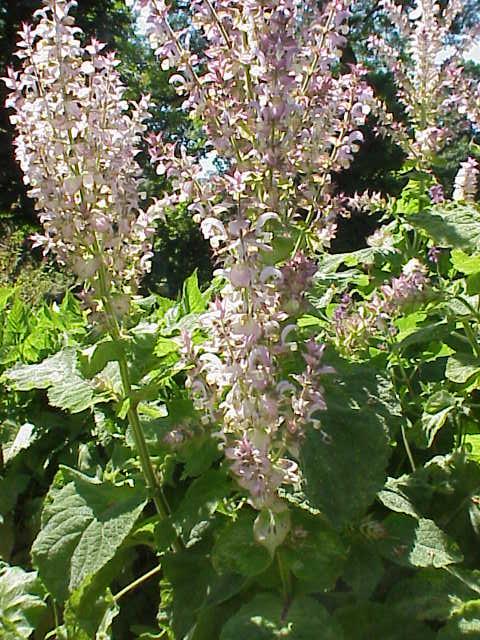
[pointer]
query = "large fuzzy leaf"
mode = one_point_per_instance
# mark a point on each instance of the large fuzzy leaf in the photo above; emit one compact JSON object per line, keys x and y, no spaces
{"x":67,"y":389}
{"x":21,"y":602}
{"x":267,"y":618}
{"x":451,"y":225}
{"x":317,"y":556}
{"x":236,"y":551}
{"x":344,"y":473}
{"x":83,"y":525}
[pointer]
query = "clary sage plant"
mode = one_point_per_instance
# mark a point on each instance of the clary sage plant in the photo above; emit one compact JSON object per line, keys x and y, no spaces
{"x":262,"y":413}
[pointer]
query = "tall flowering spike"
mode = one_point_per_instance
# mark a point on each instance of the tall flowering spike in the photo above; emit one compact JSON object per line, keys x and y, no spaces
{"x":282,"y":122}
{"x":76,"y":143}
{"x":429,"y":73}
{"x":271,"y":107}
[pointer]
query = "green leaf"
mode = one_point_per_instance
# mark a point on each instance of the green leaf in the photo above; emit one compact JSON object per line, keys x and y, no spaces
{"x":464,"y":263}
{"x":16,"y":326}
{"x":397,"y":500}
{"x":198,"y":454}
{"x":235,"y":550}
{"x":266,"y":618}
{"x":418,"y":544}
{"x":364,"y":569}
{"x":89,"y":613}
{"x":165,"y":347}
{"x":67,"y":389}
{"x":83,"y":525}
{"x":437,"y":409}
{"x":461,"y":367}
{"x":314,"y":552}
{"x":192,"y":299}
{"x":94,"y":359}
{"x":429,"y":595}
{"x":451,"y":225}
{"x":196,"y":587}
{"x":473,"y":284}
{"x":21,"y":602}
{"x":373,"y":621}
{"x":200,"y":502}
{"x":343,"y":474}
{"x":466,"y":624}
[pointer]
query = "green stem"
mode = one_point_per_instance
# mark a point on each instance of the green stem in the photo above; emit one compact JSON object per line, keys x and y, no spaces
{"x":140,"y":443}
{"x":407,"y":448}
{"x":136,"y":583}
{"x":406,"y":379}
{"x":285,"y":577}
{"x":53,"y":632}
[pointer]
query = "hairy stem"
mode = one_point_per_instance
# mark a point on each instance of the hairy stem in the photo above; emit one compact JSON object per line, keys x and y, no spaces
{"x":141,"y":446}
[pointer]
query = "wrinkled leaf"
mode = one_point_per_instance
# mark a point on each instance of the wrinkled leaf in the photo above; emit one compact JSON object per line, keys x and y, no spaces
{"x":67,"y":389}
{"x":418,"y":543}
{"x":451,"y":225}
{"x":83,"y":525}
{"x":21,"y":602}
{"x":462,"y":366}
{"x":344,"y":473}
{"x":266,"y":618}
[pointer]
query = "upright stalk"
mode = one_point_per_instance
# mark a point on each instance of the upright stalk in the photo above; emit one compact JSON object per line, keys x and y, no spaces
{"x":154,"y":489}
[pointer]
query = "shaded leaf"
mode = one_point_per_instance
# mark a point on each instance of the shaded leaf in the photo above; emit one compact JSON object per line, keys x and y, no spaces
{"x":314,"y":552}
{"x":344,"y":474}
{"x":373,"y":621}
{"x":235,"y":550}
{"x":200,"y":501}
{"x":266,"y":618}
{"x":364,"y":569}
{"x":429,"y":595}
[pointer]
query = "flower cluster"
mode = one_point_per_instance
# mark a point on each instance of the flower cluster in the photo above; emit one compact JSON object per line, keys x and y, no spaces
{"x":271,"y":107}
{"x":282,"y":120}
{"x":355,"y":324}
{"x":465,"y":187}
{"x":76,"y":143}
{"x":236,"y":380}
{"x":429,"y":72}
